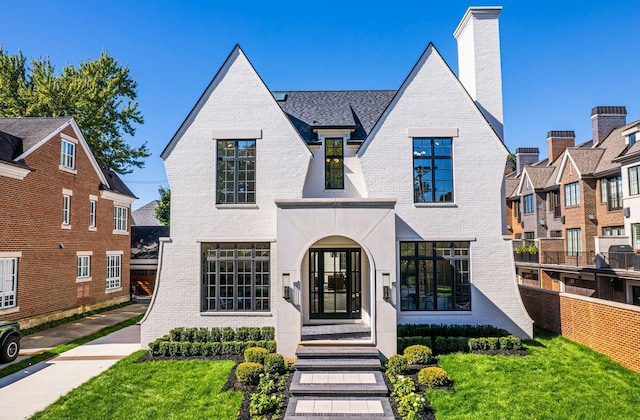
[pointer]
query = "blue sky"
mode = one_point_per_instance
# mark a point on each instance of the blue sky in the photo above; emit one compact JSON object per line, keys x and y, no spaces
{"x":559,"y":58}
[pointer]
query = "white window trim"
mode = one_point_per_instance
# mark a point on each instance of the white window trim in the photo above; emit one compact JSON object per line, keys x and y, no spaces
{"x":73,"y":141}
{"x":87,"y":254}
{"x":117,"y":222}
{"x":3,"y":282}
{"x":93,"y":200}
{"x":118,"y":285}
{"x":66,"y":210}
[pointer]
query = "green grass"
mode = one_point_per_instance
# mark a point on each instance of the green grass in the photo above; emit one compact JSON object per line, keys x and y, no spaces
{"x":65,"y":347}
{"x":169,"y":389}
{"x":559,"y":380}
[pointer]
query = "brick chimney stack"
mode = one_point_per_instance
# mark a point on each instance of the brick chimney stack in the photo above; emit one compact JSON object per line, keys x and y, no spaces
{"x":558,"y":141}
{"x":605,"y":119}
{"x":526,"y":156}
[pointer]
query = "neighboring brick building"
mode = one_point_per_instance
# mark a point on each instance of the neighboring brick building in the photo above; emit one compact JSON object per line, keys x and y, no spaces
{"x":64,"y":225}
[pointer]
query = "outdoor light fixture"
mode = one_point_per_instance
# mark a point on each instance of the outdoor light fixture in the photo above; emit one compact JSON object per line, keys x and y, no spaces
{"x":61,"y":245}
{"x":286,"y":286}
{"x":542,"y":223}
{"x":386,"y":286}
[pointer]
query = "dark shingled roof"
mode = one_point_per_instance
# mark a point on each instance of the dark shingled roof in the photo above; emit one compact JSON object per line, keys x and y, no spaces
{"x":356,"y":109}
{"x":10,"y":147}
{"x":609,"y":110}
{"x":115,"y":183}
{"x":144,"y":241}
{"x":31,"y":130}
{"x":146,"y":215}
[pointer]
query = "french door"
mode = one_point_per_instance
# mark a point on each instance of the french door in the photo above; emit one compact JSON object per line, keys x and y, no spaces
{"x":335,"y":283}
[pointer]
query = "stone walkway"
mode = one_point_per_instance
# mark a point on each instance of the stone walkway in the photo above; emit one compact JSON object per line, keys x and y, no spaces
{"x":338,"y":382}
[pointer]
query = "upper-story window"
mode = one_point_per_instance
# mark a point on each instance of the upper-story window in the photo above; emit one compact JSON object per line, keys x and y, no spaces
{"x":614,"y":192}
{"x":634,"y":180}
{"x":554,"y":203}
{"x":236,"y":171}
{"x":66,"y":210}
{"x":432,"y":170}
{"x":67,"y":154}
{"x":92,"y":213}
{"x":528,"y":204}
{"x":572,"y":194}
{"x":120,"y":222}
{"x":516,"y":211}
{"x":334,"y":164}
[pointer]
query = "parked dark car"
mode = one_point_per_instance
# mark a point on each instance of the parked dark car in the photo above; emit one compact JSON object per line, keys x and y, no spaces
{"x":9,"y":341}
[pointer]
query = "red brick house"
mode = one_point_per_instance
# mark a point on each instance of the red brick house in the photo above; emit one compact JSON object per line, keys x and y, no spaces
{"x":64,"y":224}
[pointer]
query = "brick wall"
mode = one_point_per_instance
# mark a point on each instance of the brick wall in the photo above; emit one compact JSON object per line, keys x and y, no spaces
{"x":30,"y":222}
{"x":610,"y":328}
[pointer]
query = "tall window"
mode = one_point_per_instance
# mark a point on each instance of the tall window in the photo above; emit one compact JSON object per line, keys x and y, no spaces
{"x":8,"y":282}
{"x":84,"y":266}
{"x":434,"y":276}
{"x":635,"y":235}
{"x":67,"y":154}
{"x":66,"y":209}
{"x":613,"y":191}
{"x":432,"y":170}
{"x":554,"y":203}
{"x":574,"y":242}
{"x":634,"y":178}
{"x":528,"y":204}
{"x":92,"y":213}
{"x":236,"y":171}
{"x":334,"y":164}
{"x":632,"y":139}
{"x":572,"y":194}
{"x":529,"y":238}
{"x":120,"y":222}
{"x":235,"y":277}
{"x":114,"y":270}
{"x":516,"y":210}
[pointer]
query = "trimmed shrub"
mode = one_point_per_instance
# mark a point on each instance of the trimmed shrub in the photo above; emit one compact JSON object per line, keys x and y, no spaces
{"x":163,"y":350}
{"x":433,"y":376}
{"x":397,"y":365}
{"x":242,"y":334}
{"x":255,"y":354}
{"x":255,"y":334}
{"x":404,"y":342}
{"x":402,"y":385}
{"x":249,"y":373}
{"x":232,"y":347}
{"x":174,"y":349}
{"x":187,"y":335}
{"x":196,"y":349}
{"x":228,"y":334}
{"x":174,"y":334}
{"x":215,"y":335}
{"x":185,"y":348}
{"x":418,"y":354}
{"x":274,"y":364}
{"x":202,"y":335}
{"x":510,"y":342}
{"x":268,"y":333}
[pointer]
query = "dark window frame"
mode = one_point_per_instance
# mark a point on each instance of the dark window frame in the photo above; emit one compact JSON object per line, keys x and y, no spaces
{"x":634,"y":180}
{"x":334,"y":163}
{"x":572,"y":194}
{"x":554,"y":203}
{"x":242,"y":191}
{"x":614,"y":193}
{"x":427,"y":182}
{"x":529,"y":204}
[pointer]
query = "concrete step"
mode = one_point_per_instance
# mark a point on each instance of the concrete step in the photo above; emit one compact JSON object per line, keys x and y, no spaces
{"x":338,"y":364}
{"x":336,"y":332}
{"x":344,"y":384}
{"x":329,"y":352}
{"x":327,"y":408}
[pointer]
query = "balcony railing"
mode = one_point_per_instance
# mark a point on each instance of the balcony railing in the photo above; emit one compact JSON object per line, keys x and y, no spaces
{"x":621,"y":260}
{"x":526,"y":257}
{"x":568,"y":258}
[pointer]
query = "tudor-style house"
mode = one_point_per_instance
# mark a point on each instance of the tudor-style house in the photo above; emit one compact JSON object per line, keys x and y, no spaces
{"x":64,"y":230}
{"x":360,"y":208}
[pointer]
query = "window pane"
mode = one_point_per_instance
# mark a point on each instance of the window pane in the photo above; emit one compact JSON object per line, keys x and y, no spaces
{"x":432,"y":170}
{"x":235,"y":171}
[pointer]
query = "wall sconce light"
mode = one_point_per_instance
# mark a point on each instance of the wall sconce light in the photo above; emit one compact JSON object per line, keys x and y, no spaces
{"x":61,"y":245}
{"x":386,"y":286}
{"x":543,"y":223}
{"x":286,"y":286}
{"x":591,"y":217}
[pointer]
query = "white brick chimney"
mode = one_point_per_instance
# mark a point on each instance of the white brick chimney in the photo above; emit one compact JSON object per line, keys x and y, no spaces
{"x":478,"y":37}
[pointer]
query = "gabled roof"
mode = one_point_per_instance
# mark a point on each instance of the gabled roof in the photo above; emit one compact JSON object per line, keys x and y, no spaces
{"x":539,"y":175}
{"x":31,"y":129}
{"x":146,"y":215}
{"x":615,"y":146}
{"x":584,"y":160}
{"x":511,"y":187}
{"x":115,"y":184}
{"x":10,"y":148}
{"x":355,"y":109}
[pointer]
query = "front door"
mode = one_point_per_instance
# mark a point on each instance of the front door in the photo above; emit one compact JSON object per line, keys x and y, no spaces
{"x":335,"y":288}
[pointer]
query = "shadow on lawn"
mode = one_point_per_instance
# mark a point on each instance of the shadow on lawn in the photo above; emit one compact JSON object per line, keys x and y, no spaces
{"x":540,"y":333}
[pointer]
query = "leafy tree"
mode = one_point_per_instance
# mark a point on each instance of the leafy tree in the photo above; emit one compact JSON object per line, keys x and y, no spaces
{"x":100,"y":94}
{"x":163,"y":211}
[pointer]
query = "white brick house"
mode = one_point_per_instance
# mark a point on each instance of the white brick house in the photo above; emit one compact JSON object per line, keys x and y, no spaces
{"x":292,"y":209}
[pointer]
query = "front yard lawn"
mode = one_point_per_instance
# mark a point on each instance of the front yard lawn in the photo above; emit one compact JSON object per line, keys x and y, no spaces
{"x":167,"y":389}
{"x":559,"y":380}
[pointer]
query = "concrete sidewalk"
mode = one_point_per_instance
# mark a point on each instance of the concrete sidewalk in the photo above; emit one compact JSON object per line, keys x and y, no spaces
{"x":44,"y":340}
{"x":30,"y":390}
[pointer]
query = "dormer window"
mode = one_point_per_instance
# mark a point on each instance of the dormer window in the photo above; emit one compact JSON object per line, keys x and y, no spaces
{"x":334,"y":163}
{"x":67,"y":154}
{"x":632,"y":139}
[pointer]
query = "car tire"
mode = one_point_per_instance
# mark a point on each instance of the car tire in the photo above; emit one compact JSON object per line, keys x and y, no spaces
{"x":10,"y":350}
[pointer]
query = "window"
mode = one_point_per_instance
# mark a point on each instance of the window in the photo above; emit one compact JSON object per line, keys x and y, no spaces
{"x":603,"y":190}
{"x":554,"y":203}
{"x":574,"y":242}
{"x":66,"y":210}
{"x":613,"y":231}
{"x":529,"y":237}
{"x":516,"y":211}
{"x":120,"y":218}
{"x":236,"y":171}
{"x":235,"y":277}
{"x":555,"y":234}
{"x":634,"y":177}
{"x":67,"y":154}
{"x":92,"y":213}
{"x":432,"y":171}
{"x":528,"y":204}
{"x":334,"y":164}
{"x":84,"y":266}
{"x":572,"y":194}
{"x":635,"y":236}
{"x":632,"y":139}
{"x":114,"y":269}
{"x":434,"y":276}
{"x":614,"y":192}
{"x":8,"y":282}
